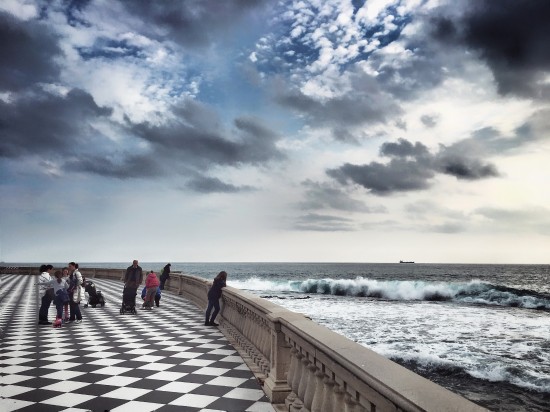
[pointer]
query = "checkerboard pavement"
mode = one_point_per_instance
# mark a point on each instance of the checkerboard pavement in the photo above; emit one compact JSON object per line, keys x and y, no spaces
{"x":164,"y":359}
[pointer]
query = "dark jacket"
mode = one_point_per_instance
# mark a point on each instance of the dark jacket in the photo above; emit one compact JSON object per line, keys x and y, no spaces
{"x":133,"y":277}
{"x":165,"y":273}
{"x":215,"y":291}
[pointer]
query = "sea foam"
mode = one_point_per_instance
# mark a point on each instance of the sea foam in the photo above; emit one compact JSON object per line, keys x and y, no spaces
{"x":472,"y":292}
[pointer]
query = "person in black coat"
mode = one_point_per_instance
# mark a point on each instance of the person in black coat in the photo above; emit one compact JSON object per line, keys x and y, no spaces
{"x":214,"y":295}
{"x":164,"y":276}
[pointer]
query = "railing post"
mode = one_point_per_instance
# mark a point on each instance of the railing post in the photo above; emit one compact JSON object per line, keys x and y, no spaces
{"x":276,"y":386}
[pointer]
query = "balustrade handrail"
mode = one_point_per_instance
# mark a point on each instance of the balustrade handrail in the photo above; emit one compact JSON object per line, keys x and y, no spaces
{"x":305,"y":365}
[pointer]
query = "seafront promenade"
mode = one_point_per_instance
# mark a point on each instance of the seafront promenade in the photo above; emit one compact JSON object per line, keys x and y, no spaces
{"x":300,"y":365}
{"x":159,"y":360}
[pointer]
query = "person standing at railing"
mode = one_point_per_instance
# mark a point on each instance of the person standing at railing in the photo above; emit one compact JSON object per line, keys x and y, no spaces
{"x":164,"y":276}
{"x":214,"y":295}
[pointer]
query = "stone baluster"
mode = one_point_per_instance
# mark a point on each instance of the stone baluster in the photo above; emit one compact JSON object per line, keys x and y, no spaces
{"x":246,"y":324}
{"x":261,"y":338}
{"x":304,"y":377}
{"x":265,"y":340}
{"x":253,"y":330}
{"x":328,"y":395}
{"x":338,"y":398}
{"x":317,"y":404}
{"x":290,"y":377}
{"x":349,"y":404}
{"x":297,"y":404}
{"x":298,"y":373}
{"x":311,"y":385}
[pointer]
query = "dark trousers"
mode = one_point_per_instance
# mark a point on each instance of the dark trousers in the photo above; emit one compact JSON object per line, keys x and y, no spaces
{"x":59,"y":307}
{"x":74,"y":310}
{"x":212,"y":304}
{"x":162,"y":282}
{"x":45,"y":306}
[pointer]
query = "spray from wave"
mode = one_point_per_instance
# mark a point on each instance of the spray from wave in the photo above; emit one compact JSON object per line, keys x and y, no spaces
{"x":473,"y":292}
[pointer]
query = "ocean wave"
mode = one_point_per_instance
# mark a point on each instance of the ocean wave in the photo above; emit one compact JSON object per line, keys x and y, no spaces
{"x":433,"y":368}
{"x":473,"y":292}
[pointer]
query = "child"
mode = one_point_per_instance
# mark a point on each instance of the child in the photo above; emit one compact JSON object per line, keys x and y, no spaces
{"x":214,"y":295}
{"x":157,"y":296}
{"x":60,"y":295}
{"x":151,"y":283}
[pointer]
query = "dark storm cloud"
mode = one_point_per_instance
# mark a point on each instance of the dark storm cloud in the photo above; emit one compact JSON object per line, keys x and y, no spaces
{"x":191,"y":22}
{"x":366,"y":104}
{"x":412,"y":167}
{"x":403,"y":148}
{"x":28,"y":52}
{"x":38,"y":122}
{"x":63,"y":127}
{"x":511,"y":36}
{"x":326,"y":196}
{"x":205,"y":184}
{"x":191,"y":139}
{"x":465,"y":168}
{"x":120,"y":167}
{"x":324,"y":223}
{"x":397,"y":176}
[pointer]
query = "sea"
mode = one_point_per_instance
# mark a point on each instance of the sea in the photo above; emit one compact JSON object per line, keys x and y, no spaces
{"x":482,"y":331}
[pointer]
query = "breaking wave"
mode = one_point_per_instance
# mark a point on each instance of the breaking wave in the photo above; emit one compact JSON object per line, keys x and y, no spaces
{"x":473,"y":292}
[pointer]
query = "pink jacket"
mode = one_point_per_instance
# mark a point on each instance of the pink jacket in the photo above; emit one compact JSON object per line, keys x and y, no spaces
{"x":152,"y":281}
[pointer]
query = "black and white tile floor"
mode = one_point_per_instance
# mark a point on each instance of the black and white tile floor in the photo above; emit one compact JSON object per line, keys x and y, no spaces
{"x":159,"y":360}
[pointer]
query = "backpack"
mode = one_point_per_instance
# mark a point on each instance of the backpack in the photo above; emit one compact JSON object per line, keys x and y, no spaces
{"x":63,"y":296}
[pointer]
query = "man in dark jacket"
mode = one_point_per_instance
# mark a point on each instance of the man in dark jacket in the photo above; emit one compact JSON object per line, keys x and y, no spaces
{"x":165,"y":276}
{"x":134,"y":276}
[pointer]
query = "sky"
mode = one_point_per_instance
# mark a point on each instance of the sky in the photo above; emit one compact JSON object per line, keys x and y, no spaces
{"x":276,"y":131}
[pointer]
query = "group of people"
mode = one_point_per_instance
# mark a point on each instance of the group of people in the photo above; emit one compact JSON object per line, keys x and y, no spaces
{"x":153,"y":285}
{"x":65,"y":290}
{"x":151,"y":293}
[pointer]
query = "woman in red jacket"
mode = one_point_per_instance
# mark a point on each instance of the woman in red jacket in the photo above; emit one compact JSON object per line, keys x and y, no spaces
{"x":151,"y":283}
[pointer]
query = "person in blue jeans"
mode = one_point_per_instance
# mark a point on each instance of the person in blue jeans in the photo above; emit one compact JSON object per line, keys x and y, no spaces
{"x":214,"y":295}
{"x":157,"y":296}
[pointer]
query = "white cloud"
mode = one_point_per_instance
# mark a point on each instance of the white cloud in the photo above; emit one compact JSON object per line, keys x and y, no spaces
{"x":22,"y":9}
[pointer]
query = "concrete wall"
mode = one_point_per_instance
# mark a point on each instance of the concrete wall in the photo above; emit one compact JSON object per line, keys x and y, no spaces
{"x":305,"y":366}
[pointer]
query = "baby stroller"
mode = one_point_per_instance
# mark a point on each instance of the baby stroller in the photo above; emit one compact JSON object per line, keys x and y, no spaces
{"x":128,"y":301}
{"x":95,"y":297}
